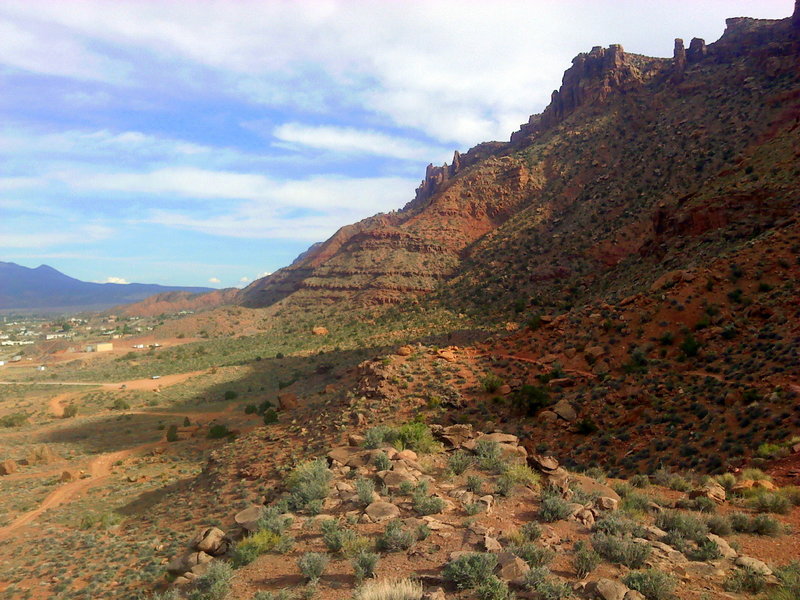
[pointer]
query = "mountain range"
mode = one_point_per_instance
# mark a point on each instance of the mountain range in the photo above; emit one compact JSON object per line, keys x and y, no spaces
{"x":45,"y":288}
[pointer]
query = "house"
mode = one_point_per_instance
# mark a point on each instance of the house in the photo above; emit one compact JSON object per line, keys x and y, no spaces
{"x":101,"y":347}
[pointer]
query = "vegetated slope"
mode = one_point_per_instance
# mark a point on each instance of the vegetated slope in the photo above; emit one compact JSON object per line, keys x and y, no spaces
{"x":173,"y":302}
{"x":638,"y":165}
{"x":46,"y":288}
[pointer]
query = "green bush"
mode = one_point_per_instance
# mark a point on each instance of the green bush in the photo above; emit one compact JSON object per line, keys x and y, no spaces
{"x":459,"y":461}
{"x":745,"y":580}
{"x":640,"y":481}
{"x":219,"y":431}
{"x":13,"y":420}
{"x":427,"y":505}
{"x":308,"y":484}
{"x":585,"y":560}
{"x":272,"y":519}
{"x":531,"y":531}
{"x":530,"y":399}
{"x":379,"y":436}
{"x":395,"y":538}
{"x":554,"y":508}
{"x":417,"y":437}
{"x":215,"y":584}
{"x":364,"y":565}
{"x":230,"y":395}
{"x":538,"y":580}
{"x":172,"y":433}
{"x":491,"y":383}
{"x":535,"y":556}
{"x":470,"y":570}
{"x":312,"y":565}
{"x":621,"y":551}
{"x":719,"y":525}
{"x":617,"y":524}
{"x":474,"y":484}
{"x":789,"y":583}
{"x":706,"y":550}
{"x":365,"y":488}
{"x":686,"y":526}
{"x":768,"y":502}
{"x":651,"y":583}
{"x":70,"y":410}
{"x":493,"y":588}
{"x":270,"y":416}
{"x":381,"y":461}
{"x":253,"y":546}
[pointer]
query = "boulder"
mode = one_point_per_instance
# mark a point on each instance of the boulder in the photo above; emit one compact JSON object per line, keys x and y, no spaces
{"x":351,"y":456}
{"x":512,"y":568}
{"x":546,"y":464}
{"x":405,"y":351}
{"x":447,"y":355}
{"x":756,"y":565}
{"x":319,"y":330}
{"x":564,"y":410}
{"x":211,"y":540}
{"x":382,"y":511}
{"x":287,"y":401}
{"x":548,"y":416}
{"x":69,"y":475}
{"x":248,"y":518}
{"x":42,"y":455}
{"x":608,"y":589}
{"x":500,"y":438}
{"x":455,"y":435}
{"x":491,"y":544}
{"x":8,"y":466}
{"x":393,"y":479}
{"x":405,"y":455}
{"x":724,"y":547}
{"x":590,"y":486}
{"x":607,"y":503}
{"x":711,"y":489}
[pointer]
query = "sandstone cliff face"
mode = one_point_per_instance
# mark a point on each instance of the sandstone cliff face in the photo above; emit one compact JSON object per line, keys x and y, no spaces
{"x":173,"y":302}
{"x":578,"y":189}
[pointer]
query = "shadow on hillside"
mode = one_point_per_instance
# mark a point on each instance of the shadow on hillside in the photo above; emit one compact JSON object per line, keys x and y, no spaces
{"x":145,"y":502}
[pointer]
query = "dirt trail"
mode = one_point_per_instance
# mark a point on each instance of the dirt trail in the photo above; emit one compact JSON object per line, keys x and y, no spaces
{"x":99,"y":470}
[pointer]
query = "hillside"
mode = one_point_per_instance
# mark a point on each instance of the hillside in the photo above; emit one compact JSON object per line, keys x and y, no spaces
{"x":46,"y":289}
{"x":638,"y":165}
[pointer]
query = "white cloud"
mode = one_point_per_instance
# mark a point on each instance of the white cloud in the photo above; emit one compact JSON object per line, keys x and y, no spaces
{"x":115,"y":280}
{"x":214,"y":280}
{"x":462,"y":72}
{"x":348,"y":140}
{"x":24,"y":237}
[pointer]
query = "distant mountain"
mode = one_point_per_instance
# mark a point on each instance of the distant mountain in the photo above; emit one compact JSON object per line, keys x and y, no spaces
{"x":45,"y":288}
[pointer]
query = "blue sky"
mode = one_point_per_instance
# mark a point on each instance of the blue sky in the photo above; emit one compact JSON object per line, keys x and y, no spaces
{"x":209,"y":143}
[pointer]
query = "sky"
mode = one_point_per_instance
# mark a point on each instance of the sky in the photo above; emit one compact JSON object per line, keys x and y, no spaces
{"x":210,"y":143}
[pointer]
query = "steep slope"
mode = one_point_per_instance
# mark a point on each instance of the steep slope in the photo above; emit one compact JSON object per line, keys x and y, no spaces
{"x":173,"y":302}
{"x":632,"y":155}
{"x":46,"y":288}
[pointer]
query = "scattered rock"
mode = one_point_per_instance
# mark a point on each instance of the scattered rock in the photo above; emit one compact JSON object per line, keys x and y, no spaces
{"x":382,"y":511}
{"x":211,"y":540}
{"x":724,"y":547}
{"x":318,"y":330}
{"x":405,"y":351}
{"x":754,"y":564}
{"x":608,"y":589}
{"x":248,"y":518}
{"x":712,"y":490}
{"x":564,"y":410}
{"x":287,"y":401}
{"x":8,"y":466}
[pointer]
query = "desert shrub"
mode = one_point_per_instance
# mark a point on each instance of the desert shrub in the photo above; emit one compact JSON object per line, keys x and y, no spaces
{"x":765,"y":525}
{"x":530,"y":399}
{"x":535,"y":556}
{"x":388,"y":589}
{"x":308,"y":483}
{"x":621,"y":551}
{"x":538,"y":580}
{"x":706,"y":550}
{"x":754,"y":473}
{"x":270,"y":416}
{"x":635,"y":503}
{"x":172,"y":433}
{"x":726,"y":480}
{"x":427,"y":505}
{"x":491,"y":383}
{"x":585,"y":560}
{"x":686,"y":526}
{"x":273,"y":520}
{"x":283,"y":594}
{"x":597,"y":474}
{"x":382,"y":435}
{"x":745,"y":580}
{"x":554,"y":508}
{"x":395,"y":538}
{"x":473,"y":508}
{"x":215,"y":584}
{"x":459,"y":461}
{"x":474,"y":484}
{"x":381,"y":461}
{"x":230,"y":395}
{"x":792,"y":494}
{"x":521,"y":475}
{"x":690,"y":346}
{"x":490,"y":456}
{"x":253,"y":546}
{"x":640,"y":481}
{"x":70,"y":410}
{"x":470,"y":570}
{"x":768,"y":502}
{"x":494,"y":589}
{"x":788,"y":583}
{"x":719,"y":525}
{"x":531,"y":531}
{"x":651,"y":583}
{"x":365,"y":488}
{"x":617,"y":524}
{"x":700,"y":504}
{"x":120,"y":404}
{"x":312,"y":565}
{"x":417,"y":437}
{"x":364,"y":565}
{"x":218,"y":431}
{"x":333,"y":535}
